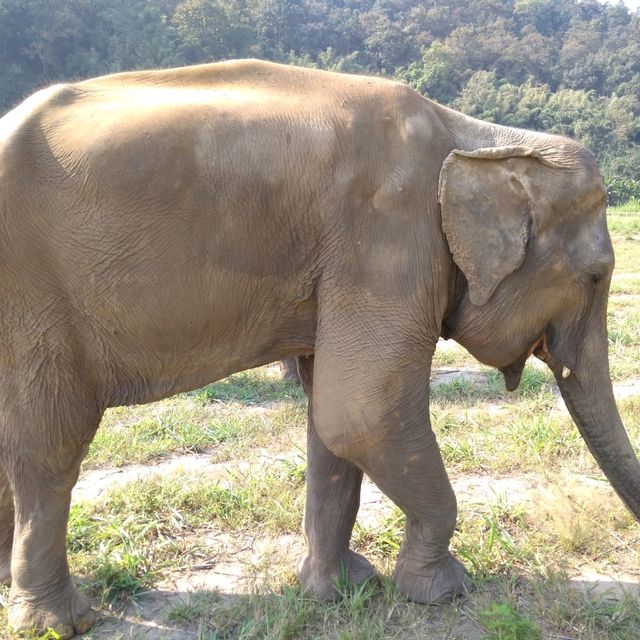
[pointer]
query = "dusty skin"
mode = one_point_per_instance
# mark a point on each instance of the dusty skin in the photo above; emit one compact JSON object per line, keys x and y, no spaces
{"x":163,"y":229}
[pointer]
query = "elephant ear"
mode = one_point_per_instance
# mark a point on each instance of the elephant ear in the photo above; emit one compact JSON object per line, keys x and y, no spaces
{"x":486,"y":213}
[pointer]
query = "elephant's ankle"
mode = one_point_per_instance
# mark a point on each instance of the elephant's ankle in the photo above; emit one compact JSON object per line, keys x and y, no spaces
{"x":321,"y":577}
{"x":431,"y":582}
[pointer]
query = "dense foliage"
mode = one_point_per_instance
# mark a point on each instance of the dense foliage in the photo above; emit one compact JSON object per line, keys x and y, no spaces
{"x":569,"y":66}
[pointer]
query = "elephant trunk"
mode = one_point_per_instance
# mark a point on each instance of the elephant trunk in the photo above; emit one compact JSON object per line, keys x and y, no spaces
{"x":599,"y":423}
{"x":588,"y":394}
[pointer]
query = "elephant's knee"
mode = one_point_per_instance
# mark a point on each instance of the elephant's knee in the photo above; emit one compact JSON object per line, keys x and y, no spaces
{"x":353,"y":442}
{"x":352,"y":430}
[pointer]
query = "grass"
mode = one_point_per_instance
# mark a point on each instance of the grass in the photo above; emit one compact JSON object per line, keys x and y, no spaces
{"x":362,"y":613}
{"x":178,"y":426}
{"x":503,"y":622}
{"x":624,"y":219}
{"x":625,"y":285}
{"x":504,"y":611}
{"x":451,"y":354}
{"x":121,"y":543}
{"x":624,"y":337}
{"x":517,"y":556}
{"x":519,"y":435}
{"x":251,"y":387}
{"x":626,"y":252}
{"x":194,"y":423}
{"x":631,"y":206}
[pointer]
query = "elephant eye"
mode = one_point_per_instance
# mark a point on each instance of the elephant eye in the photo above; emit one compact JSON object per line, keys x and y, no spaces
{"x":596,"y":277}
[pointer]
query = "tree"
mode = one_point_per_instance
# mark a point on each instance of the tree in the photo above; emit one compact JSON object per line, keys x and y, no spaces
{"x":212,"y":30}
{"x":434,"y":74}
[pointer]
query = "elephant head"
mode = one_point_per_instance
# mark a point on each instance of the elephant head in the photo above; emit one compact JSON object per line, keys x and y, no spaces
{"x":526,"y":227}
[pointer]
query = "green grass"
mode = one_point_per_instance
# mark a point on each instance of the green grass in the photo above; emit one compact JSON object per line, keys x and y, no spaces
{"x":251,"y":387}
{"x":590,"y":615}
{"x":119,"y":544}
{"x":517,"y":566}
{"x":623,"y":319}
{"x":624,"y":219}
{"x":178,"y":426}
{"x":631,"y":206}
{"x":517,"y":436}
{"x":626,"y":250}
{"x":4,"y":602}
{"x":184,"y":424}
{"x":451,"y":354}
{"x":625,"y":285}
{"x":516,"y":552}
{"x":503,"y":622}
{"x":487,"y":384}
{"x":502,"y":610}
{"x":367,"y":612}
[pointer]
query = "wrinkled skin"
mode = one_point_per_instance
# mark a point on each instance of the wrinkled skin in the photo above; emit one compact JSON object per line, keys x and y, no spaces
{"x":161,"y":230}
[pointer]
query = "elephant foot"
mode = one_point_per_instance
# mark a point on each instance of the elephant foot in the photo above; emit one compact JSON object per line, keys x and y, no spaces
{"x":434,"y":583}
{"x":68,"y":616}
{"x":321,"y":579}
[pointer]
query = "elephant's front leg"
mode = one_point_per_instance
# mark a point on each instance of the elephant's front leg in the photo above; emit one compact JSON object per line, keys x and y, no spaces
{"x":371,"y":407}
{"x":411,"y":473}
{"x":6,"y":528}
{"x":405,"y":462}
{"x":333,"y":498}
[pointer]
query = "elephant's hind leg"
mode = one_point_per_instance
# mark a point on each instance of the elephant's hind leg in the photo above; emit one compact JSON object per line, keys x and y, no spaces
{"x":49,"y":437}
{"x":333,"y":498}
{"x":6,"y":528}
{"x":42,"y":594}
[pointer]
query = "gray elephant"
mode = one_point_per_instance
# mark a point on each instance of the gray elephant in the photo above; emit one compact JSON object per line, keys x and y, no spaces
{"x":289,"y":368}
{"x":163,"y":229}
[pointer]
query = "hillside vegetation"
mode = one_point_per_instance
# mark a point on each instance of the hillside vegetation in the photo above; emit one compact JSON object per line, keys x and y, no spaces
{"x":566,"y":66}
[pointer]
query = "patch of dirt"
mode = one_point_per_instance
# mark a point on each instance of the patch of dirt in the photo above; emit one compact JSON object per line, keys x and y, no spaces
{"x":626,"y":388}
{"x":95,"y":482}
{"x":445,"y":375}
{"x":613,"y":585}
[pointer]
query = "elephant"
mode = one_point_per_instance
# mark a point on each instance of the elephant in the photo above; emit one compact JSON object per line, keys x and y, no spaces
{"x":289,"y":368}
{"x":163,"y":229}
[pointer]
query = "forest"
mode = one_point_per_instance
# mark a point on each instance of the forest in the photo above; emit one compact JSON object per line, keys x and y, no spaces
{"x":565,"y":66}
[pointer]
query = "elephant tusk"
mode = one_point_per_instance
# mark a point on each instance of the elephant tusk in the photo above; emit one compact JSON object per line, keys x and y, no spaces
{"x":566,"y":372}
